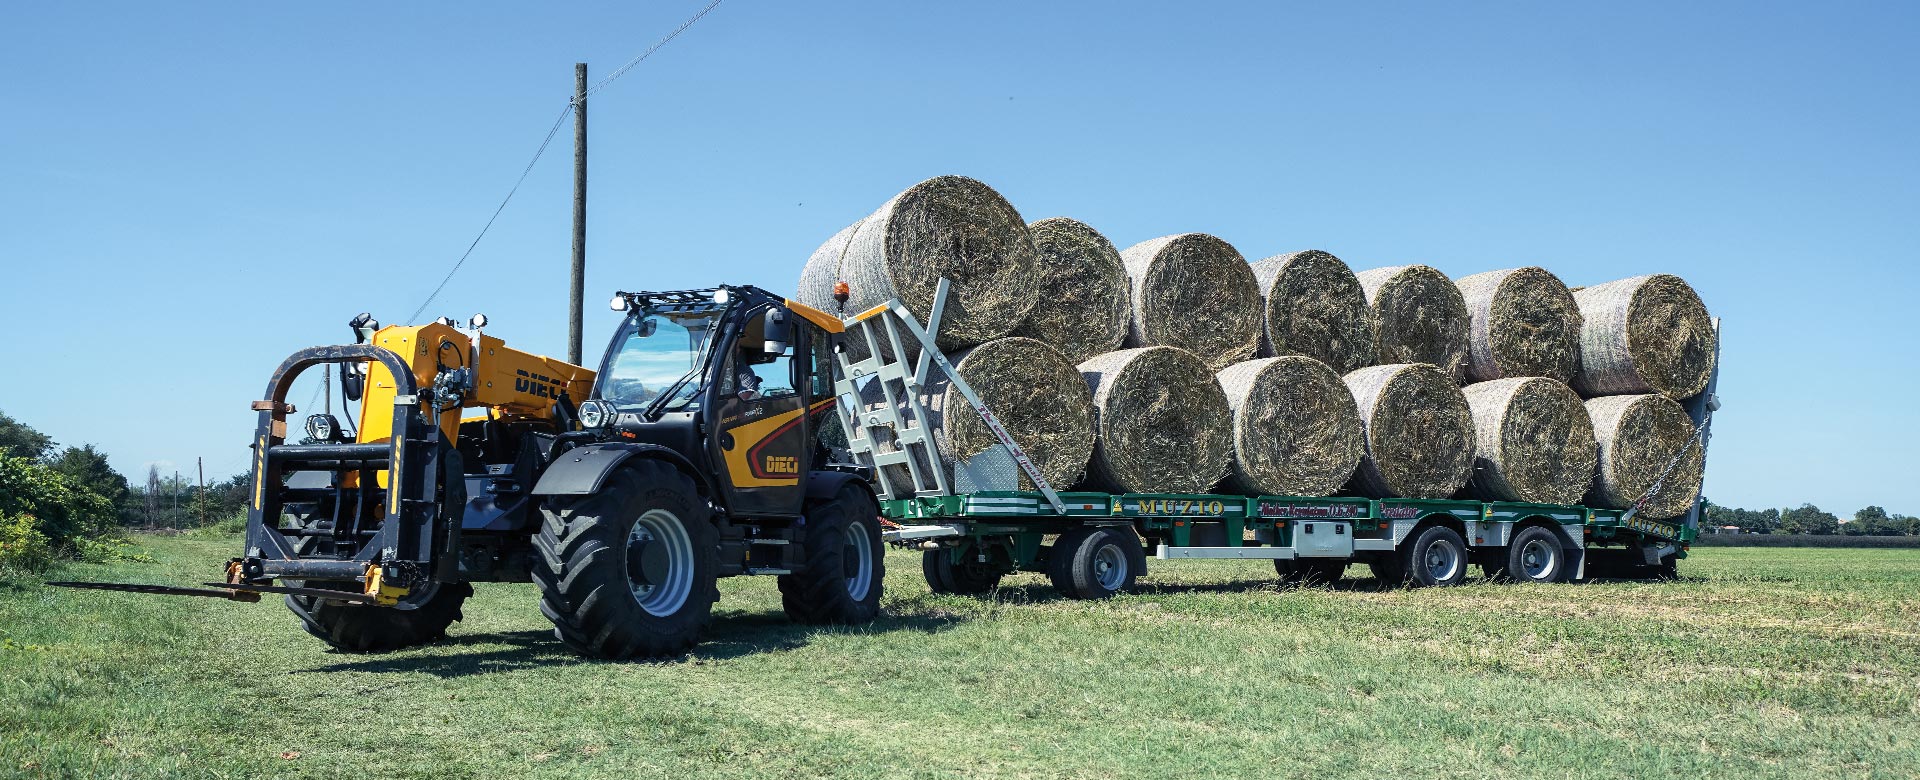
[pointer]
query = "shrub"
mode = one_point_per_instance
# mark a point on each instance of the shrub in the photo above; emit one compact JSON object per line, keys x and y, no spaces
{"x":46,"y":515}
{"x":23,"y":549}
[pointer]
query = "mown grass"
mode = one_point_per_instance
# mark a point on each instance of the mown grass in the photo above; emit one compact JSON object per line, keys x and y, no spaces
{"x":1758,"y":663}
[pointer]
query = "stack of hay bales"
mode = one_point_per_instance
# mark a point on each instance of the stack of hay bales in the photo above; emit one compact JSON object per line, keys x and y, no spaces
{"x":1639,"y":435}
{"x":1195,"y":292}
{"x":1083,"y":305}
{"x":1037,"y":394}
{"x":1313,"y":305}
{"x":1417,"y":430}
{"x":1533,"y":441}
{"x":1418,"y":317}
{"x":1161,"y":422}
{"x":1296,"y":430}
{"x":950,"y":226}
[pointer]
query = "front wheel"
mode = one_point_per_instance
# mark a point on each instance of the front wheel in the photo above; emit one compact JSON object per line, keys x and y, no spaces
{"x":422,"y":615}
{"x":1437,"y":557}
{"x":1095,"y":563}
{"x":969,"y":577}
{"x":628,"y":571}
{"x":844,"y":563}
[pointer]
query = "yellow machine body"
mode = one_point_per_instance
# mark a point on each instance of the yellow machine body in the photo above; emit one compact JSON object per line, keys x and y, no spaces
{"x":507,"y":383}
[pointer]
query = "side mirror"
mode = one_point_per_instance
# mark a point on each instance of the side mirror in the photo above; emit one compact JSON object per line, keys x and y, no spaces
{"x":776,"y":332}
{"x":352,"y":381}
{"x":646,"y":328}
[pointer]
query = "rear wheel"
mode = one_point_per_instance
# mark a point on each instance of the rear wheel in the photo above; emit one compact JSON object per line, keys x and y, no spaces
{"x":628,"y":571}
{"x":1388,"y":571}
{"x":422,"y":616}
{"x":969,"y":577}
{"x":1437,"y":556}
{"x":1534,"y":555}
{"x":844,"y":563}
{"x":1095,"y":563}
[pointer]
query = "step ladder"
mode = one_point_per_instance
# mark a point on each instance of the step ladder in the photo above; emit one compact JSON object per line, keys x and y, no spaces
{"x":882,"y":407}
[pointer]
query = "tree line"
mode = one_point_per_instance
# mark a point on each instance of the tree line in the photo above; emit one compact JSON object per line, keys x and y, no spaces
{"x":69,"y":502}
{"x":1812,"y":520}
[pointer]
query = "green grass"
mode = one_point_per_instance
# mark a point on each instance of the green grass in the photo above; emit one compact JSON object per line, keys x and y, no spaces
{"x":1758,"y":663}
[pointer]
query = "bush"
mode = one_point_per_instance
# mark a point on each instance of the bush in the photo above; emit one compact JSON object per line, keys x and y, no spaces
{"x":23,"y":549}
{"x":47,"y":516}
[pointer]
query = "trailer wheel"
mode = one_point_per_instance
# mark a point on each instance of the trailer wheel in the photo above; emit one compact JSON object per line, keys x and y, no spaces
{"x":844,"y":563}
{"x":1095,"y":563}
{"x":970,"y":577}
{"x":1533,"y":555}
{"x":1388,"y":571}
{"x":1438,"y":556}
{"x":630,"y":570}
{"x":421,"y":617}
{"x":1310,"y":571}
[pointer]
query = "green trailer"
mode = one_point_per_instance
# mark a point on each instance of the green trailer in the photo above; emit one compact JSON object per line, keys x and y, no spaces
{"x":973,"y":528}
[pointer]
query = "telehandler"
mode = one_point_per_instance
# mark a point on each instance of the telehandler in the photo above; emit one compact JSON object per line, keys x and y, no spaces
{"x":622,"y":493}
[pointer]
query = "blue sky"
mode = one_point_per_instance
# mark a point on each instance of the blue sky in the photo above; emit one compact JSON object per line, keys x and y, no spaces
{"x":190,"y":191}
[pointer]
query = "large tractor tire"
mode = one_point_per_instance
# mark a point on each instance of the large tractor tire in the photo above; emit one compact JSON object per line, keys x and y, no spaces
{"x":845,"y":562}
{"x":420,"y":617}
{"x":1096,"y":563}
{"x":628,"y":571}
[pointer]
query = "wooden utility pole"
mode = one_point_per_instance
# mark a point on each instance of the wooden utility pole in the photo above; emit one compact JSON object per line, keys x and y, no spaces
{"x":579,"y":288}
{"x":200,"y":463}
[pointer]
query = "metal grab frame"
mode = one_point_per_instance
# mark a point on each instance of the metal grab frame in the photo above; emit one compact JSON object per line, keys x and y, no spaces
{"x":909,"y":442}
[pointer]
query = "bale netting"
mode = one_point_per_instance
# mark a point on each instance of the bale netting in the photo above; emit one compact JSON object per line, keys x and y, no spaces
{"x":1521,"y":322}
{"x":1296,"y":430}
{"x":1313,"y":305}
{"x":1639,"y":435}
{"x":1532,"y":441}
{"x":1418,"y":317}
{"x":1161,"y":422}
{"x":1417,"y":432}
{"x":1646,"y":334}
{"x":949,"y":226}
{"x":1195,"y":292}
{"x":1036,"y":393}
{"x":1083,"y":301}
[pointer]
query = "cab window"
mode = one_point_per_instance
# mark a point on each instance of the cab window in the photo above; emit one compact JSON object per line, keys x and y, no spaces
{"x":752,"y":373}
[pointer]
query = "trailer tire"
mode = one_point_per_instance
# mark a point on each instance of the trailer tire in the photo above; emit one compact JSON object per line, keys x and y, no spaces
{"x":1095,"y":563}
{"x":628,"y":571}
{"x":968,"y":578}
{"x":1437,"y":557}
{"x":1388,"y":571}
{"x":1311,"y":571}
{"x":845,"y":563}
{"x":422,"y":616}
{"x":1533,"y":555}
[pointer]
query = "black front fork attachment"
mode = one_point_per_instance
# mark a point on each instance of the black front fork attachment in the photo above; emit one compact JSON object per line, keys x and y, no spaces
{"x":400,"y":529}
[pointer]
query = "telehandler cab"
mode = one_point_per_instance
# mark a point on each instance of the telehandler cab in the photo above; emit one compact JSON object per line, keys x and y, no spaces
{"x":690,"y":455}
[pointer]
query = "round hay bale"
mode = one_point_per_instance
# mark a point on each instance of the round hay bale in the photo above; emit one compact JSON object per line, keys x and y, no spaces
{"x":1532,"y":441}
{"x":1195,"y":292}
{"x":1638,"y":436}
{"x":949,"y":226}
{"x":1161,"y":422}
{"x":1084,"y":303}
{"x":1313,"y":305}
{"x":1646,"y":334}
{"x":1417,"y":430}
{"x":1037,"y":394}
{"x":1296,"y":430}
{"x":1418,"y":317}
{"x":1521,"y":322}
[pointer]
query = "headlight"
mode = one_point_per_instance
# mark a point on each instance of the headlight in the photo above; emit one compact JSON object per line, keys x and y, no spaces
{"x":595,"y":414}
{"x":322,"y":427}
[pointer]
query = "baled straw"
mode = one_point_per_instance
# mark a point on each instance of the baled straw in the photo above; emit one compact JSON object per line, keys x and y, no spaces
{"x":1038,"y":396}
{"x":1645,"y":334}
{"x":1083,"y":302}
{"x":1639,"y":436}
{"x":950,"y":226}
{"x":1313,"y":305}
{"x":1533,"y":441}
{"x":1195,"y":292}
{"x":1417,"y":430}
{"x":1523,"y":322}
{"x":1161,"y":422}
{"x":1418,"y":317}
{"x":1296,"y":430}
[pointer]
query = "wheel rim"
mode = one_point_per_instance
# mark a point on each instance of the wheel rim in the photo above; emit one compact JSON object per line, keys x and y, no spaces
{"x":1110,"y":566}
{"x":660,"y":562}
{"x":418,"y":596}
{"x":1442,"y":560}
{"x":860,"y":545}
{"x":1538,"y":560}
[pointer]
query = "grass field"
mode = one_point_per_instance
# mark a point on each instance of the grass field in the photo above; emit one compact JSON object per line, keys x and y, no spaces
{"x":1758,"y":663}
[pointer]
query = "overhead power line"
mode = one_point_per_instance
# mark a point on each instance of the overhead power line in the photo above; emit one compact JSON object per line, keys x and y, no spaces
{"x":551,"y":132}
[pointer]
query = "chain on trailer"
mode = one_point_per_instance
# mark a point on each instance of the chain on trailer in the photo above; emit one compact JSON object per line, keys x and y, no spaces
{"x":895,"y":433}
{"x":1700,"y":409}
